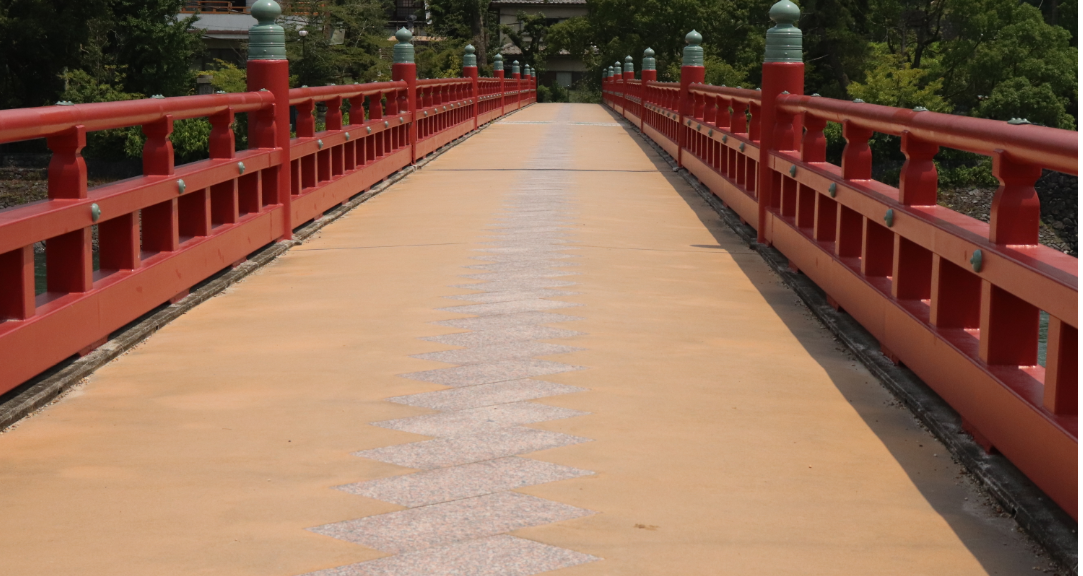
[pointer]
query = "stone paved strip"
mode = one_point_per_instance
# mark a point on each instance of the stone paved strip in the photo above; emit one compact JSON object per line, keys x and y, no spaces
{"x":466,"y":481}
{"x":428,"y":526}
{"x":493,"y":556}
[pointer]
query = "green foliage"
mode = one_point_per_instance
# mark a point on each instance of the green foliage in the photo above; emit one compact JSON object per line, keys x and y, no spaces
{"x":315,"y":61}
{"x":41,"y":40}
{"x":529,"y":38}
{"x":1018,"y":98}
{"x":190,"y":140}
{"x":155,"y":47}
{"x":977,"y":173}
{"x":891,"y":81}
{"x":114,"y":144}
{"x":554,"y":93}
{"x":716,"y":71}
{"x":440,"y":59}
{"x":468,"y":21}
{"x":1002,"y":40}
{"x":228,"y":78}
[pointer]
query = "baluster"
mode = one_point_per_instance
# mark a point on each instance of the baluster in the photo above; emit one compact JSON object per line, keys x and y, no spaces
{"x":738,"y":121}
{"x":1016,"y":210}
{"x":306,"y":121}
{"x":17,"y":284}
{"x":1061,"y":369}
{"x":754,"y":122}
{"x":68,"y":263}
{"x":224,"y":206}
{"x":813,"y":142}
{"x":857,"y":156}
{"x":333,"y":118}
{"x":918,"y":181}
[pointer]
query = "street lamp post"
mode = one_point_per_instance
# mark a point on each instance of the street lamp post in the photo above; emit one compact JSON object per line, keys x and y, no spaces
{"x":304,"y":62}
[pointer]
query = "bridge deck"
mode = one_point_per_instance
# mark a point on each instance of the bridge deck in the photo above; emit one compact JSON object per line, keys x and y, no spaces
{"x":641,"y":396}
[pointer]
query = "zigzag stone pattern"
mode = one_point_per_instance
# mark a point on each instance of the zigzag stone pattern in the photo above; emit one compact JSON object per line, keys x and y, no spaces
{"x":460,"y":505}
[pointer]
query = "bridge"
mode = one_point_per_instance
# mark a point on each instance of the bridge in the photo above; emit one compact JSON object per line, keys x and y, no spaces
{"x":455,"y":331}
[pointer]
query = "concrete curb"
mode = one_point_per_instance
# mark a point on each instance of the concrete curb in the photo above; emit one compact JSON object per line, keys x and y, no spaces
{"x":39,"y":392}
{"x":1039,"y":516}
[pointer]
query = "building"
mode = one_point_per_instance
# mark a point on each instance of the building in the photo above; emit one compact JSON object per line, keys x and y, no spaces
{"x":563,"y":69}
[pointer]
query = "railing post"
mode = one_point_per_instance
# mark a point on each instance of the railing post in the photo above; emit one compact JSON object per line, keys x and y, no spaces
{"x":692,"y":72}
{"x":498,"y":72}
{"x":629,"y":74}
{"x":649,"y":74}
{"x":403,"y":68}
{"x":516,"y":76}
{"x":470,"y":70}
{"x":269,"y":70}
{"x":783,"y":71}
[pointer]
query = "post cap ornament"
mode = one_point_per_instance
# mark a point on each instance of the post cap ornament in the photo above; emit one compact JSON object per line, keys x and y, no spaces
{"x":649,"y":63}
{"x":498,"y":63}
{"x":514,"y":66}
{"x":628,"y":67}
{"x":403,"y":52}
{"x":470,"y":60}
{"x":266,"y":40}
{"x":693,"y":52}
{"x":784,"y":40}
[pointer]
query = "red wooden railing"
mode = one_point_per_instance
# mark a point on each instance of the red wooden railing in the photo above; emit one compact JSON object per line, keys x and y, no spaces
{"x":955,"y":299}
{"x":163,"y":232}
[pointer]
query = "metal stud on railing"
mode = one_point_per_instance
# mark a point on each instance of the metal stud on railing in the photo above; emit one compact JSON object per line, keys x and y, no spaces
{"x":386,"y":124}
{"x":347,"y":136}
{"x":833,"y":189}
{"x":889,"y":218}
{"x":240,"y":167}
{"x":975,"y":261}
{"x":793,"y":170}
{"x":369,"y":129}
{"x":181,"y":186}
{"x":742,"y":147}
{"x":319,"y":144}
{"x":95,"y":212}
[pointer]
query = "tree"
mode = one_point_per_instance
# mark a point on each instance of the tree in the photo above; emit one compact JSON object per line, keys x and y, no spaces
{"x":154,"y":47}
{"x":468,"y":20}
{"x":891,"y":81}
{"x":999,"y":41}
{"x":343,"y":41}
{"x":529,"y":38}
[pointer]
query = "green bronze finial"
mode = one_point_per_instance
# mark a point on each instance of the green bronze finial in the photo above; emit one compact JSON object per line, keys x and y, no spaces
{"x":469,"y":59}
{"x":266,"y":40}
{"x":403,"y":52}
{"x":784,"y":40}
{"x":514,"y":66}
{"x":628,"y":67}
{"x":693,"y":53}
{"x":649,"y":63}
{"x":498,"y":63}
{"x":612,"y":72}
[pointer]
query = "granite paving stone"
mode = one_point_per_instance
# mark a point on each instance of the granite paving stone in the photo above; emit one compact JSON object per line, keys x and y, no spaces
{"x":509,"y":307}
{"x":486,"y":394}
{"x":505,"y":258}
{"x":494,"y":352}
{"x":466,"y":481}
{"x":547,"y":264}
{"x":518,"y":284}
{"x":527,"y":274}
{"x":449,"y":522}
{"x":494,"y":556}
{"x":489,"y":372}
{"x":444,"y":452}
{"x":510,"y":295}
{"x":516,"y":333}
{"x":477,"y":420}
{"x":502,"y":321}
